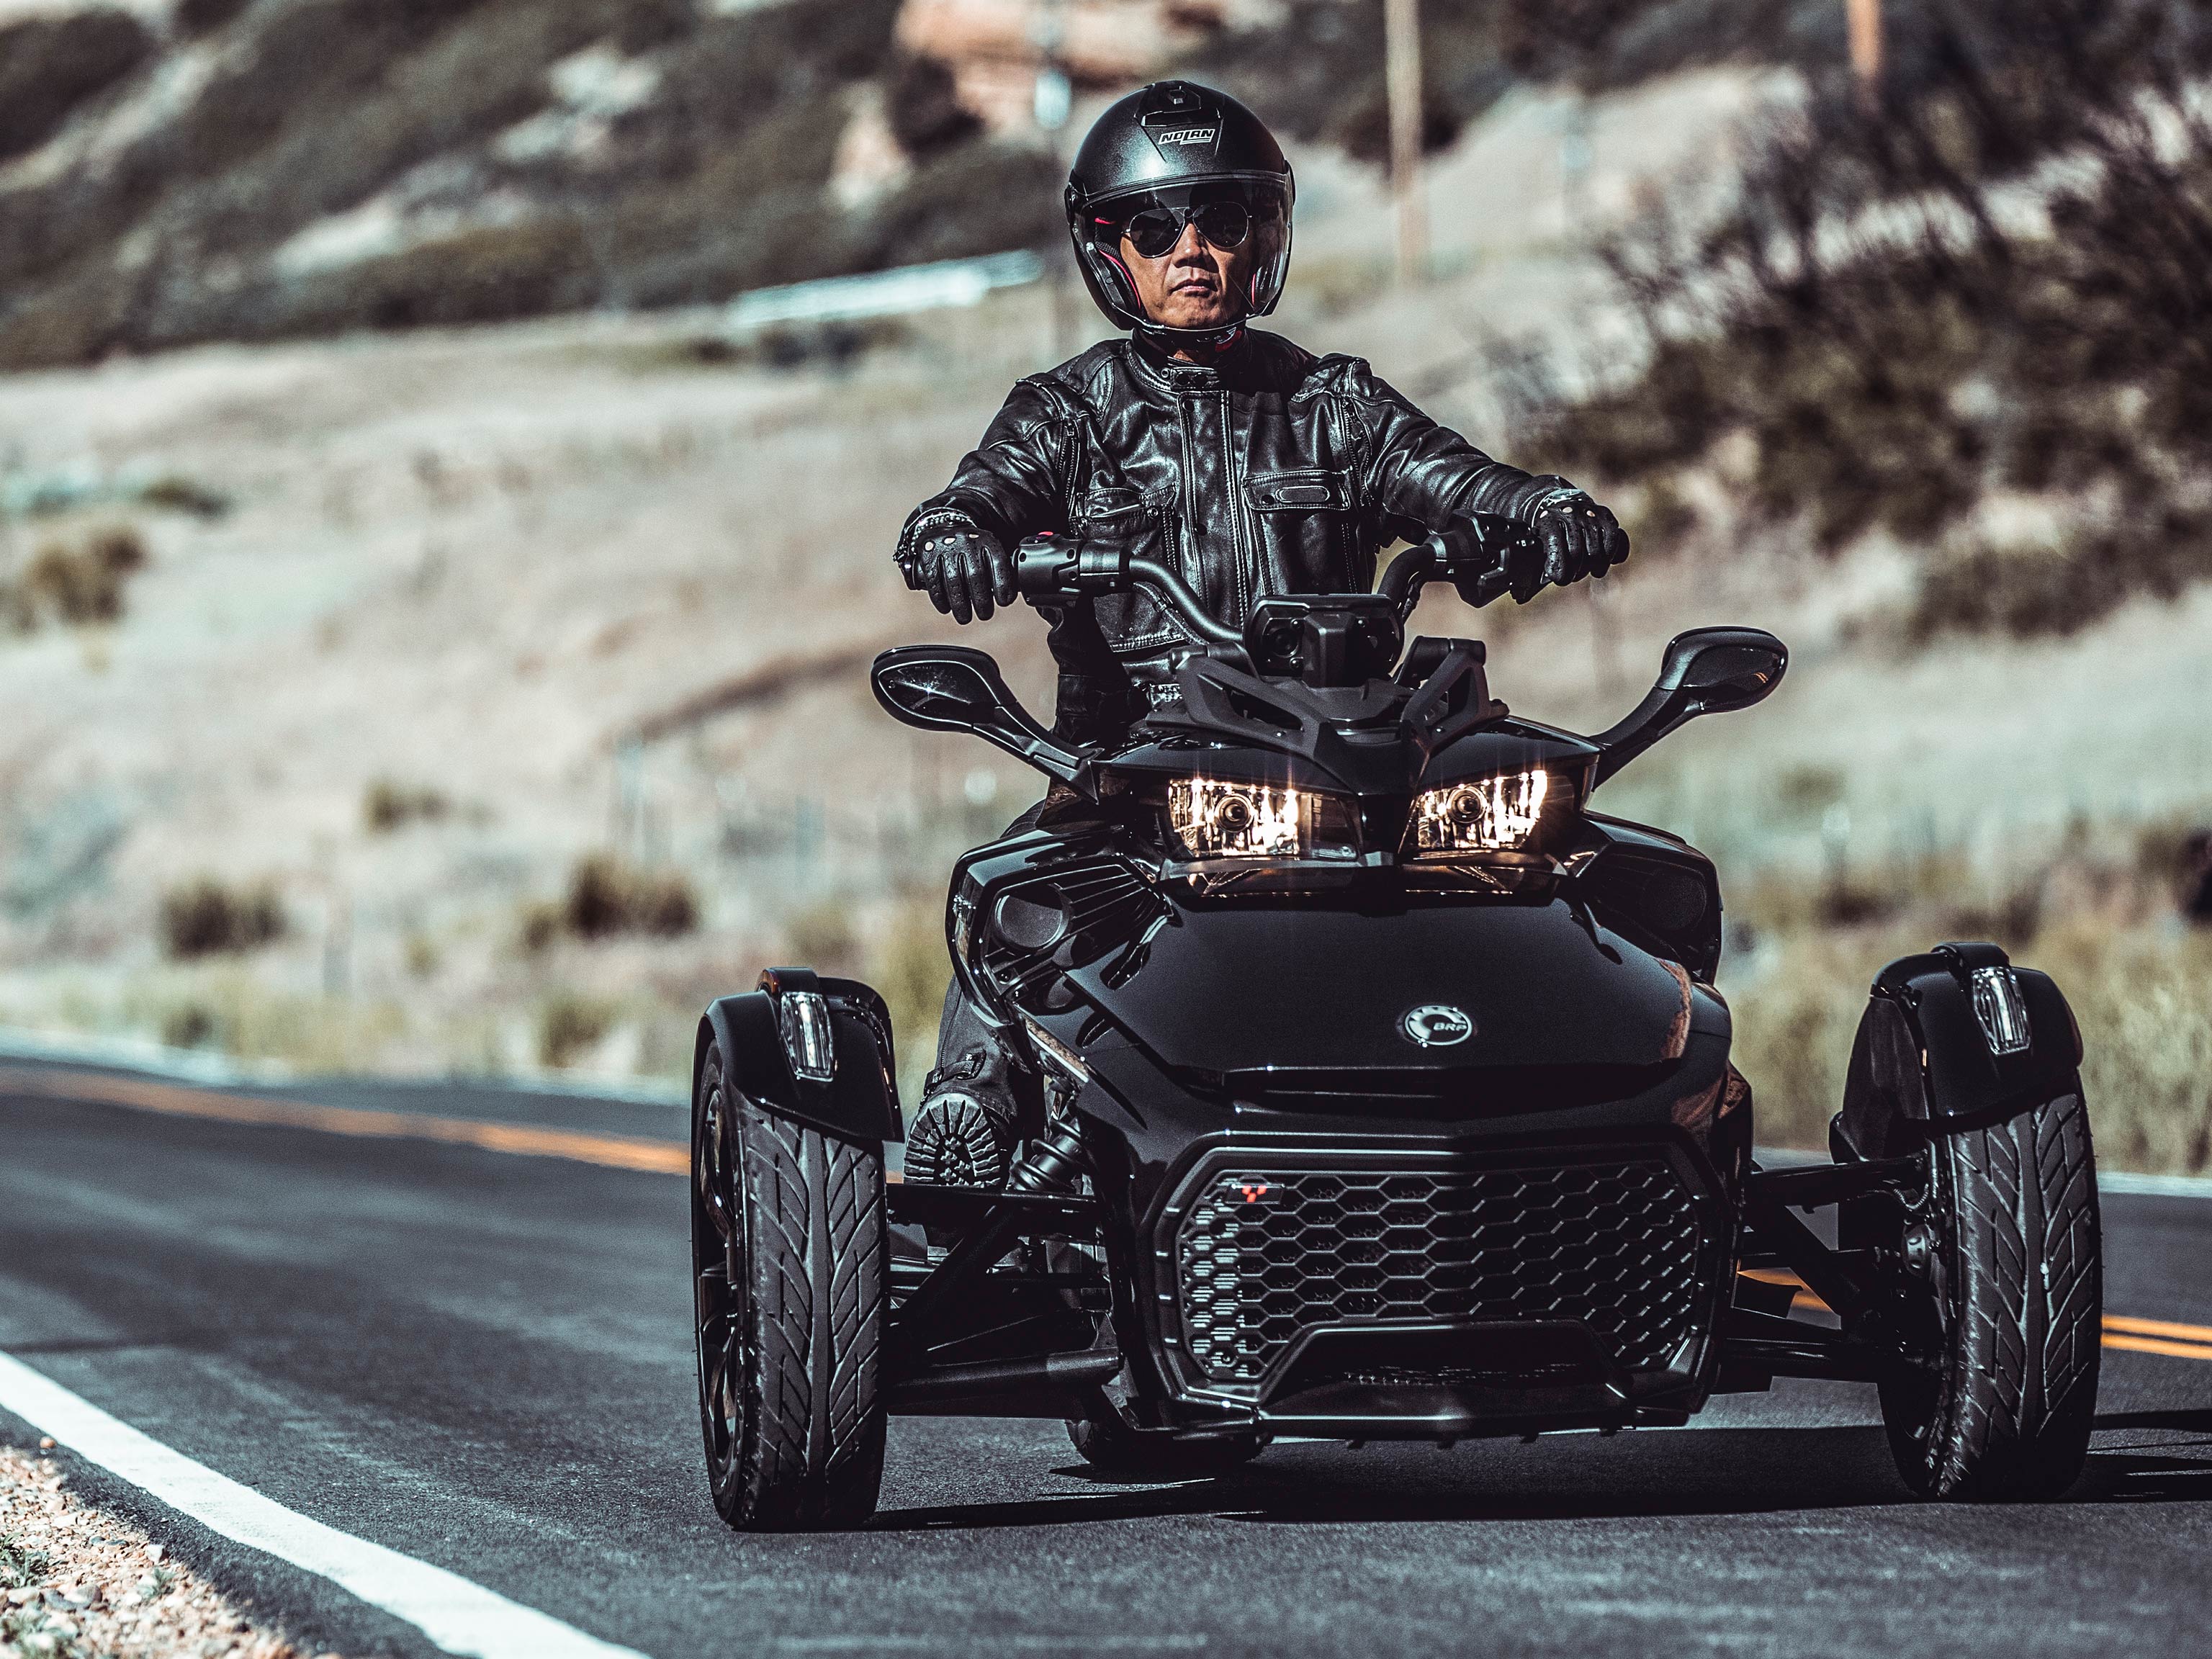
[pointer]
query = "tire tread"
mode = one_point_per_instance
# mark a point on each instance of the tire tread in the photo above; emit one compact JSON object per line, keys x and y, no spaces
{"x":2028,"y":1305}
{"x":811,"y":1451}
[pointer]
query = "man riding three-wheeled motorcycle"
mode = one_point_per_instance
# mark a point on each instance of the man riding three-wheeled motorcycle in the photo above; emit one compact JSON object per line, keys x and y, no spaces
{"x":1317,"y":1062}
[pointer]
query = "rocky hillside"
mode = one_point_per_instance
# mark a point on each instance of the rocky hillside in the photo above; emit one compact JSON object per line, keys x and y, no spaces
{"x":294,"y":167}
{"x":174,"y":170}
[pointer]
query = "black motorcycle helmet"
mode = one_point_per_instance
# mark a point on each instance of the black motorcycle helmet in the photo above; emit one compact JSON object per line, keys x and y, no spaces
{"x":1175,"y":141}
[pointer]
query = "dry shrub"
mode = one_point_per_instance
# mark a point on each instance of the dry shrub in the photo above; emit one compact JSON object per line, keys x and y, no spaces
{"x":569,"y":1026}
{"x":386,"y":805}
{"x":1893,"y":345}
{"x":607,"y":898}
{"x":541,"y":927}
{"x":178,"y":494}
{"x":206,"y":917}
{"x":191,"y":1024}
{"x":78,"y":584}
{"x":923,"y":104}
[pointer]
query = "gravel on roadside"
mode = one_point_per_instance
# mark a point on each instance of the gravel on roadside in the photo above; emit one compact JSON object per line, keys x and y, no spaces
{"x":76,"y":1584}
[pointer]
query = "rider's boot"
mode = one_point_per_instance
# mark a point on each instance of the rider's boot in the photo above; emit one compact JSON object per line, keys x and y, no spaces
{"x":963,"y":1133}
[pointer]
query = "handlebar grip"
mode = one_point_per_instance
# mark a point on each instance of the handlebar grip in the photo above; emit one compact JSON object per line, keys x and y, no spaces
{"x":1043,"y":567}
{"x":1047,"y":568}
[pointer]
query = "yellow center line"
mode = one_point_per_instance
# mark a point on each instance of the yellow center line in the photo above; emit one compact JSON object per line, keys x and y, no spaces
{"x":2157,"y":1327}
{"x":614,"y":1151}
{"x":2122,"y":1330}
{"x":2151,"y":1345}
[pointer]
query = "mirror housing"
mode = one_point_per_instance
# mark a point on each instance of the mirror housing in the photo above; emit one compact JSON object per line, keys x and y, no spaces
{"x":1707,"y":671}
{"x":956,"y":687}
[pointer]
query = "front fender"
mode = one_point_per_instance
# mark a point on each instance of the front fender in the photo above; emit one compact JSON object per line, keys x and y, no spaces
{"x":859,"y":1103}
{"x":1922,"y":1066}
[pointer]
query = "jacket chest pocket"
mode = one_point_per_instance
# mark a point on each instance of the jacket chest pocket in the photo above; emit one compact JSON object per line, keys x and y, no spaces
{"x":1302,"y":490}
{"x":1306,"y":521}
{"x":1113,"y":509}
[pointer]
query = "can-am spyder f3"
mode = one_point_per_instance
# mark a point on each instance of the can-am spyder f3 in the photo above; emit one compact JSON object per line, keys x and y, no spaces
{"x":1372,"y":1087}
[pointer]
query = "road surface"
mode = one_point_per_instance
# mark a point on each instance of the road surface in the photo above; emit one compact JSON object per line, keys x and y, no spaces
{"x":481,"y":1358}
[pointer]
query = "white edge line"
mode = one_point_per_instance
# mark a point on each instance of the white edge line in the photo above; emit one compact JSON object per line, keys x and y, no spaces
{"x":460,"y":1617}
{"x":220,"y":1071}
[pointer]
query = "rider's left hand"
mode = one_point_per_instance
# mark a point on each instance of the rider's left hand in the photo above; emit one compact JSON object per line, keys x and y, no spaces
{"x":1579,"y":538}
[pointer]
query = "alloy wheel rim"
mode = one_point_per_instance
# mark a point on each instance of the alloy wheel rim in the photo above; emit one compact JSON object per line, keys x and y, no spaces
{"x":714,"y":1227}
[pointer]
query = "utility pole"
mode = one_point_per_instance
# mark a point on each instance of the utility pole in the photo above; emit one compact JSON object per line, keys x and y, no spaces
{"x":1053,"y":102}
{"x":1864,"y":17}
{"x":1401,"y":34}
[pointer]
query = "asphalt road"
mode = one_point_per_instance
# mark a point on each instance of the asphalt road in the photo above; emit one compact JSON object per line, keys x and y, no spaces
{"x":482,"y":1359}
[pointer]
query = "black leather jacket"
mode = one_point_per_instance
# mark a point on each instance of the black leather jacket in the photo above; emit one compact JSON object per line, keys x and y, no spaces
{"x":1268,"y":470}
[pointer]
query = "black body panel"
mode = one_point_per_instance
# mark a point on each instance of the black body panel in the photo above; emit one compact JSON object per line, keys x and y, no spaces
{"x":1921,"y":1064}
{"x":859,"y":1104}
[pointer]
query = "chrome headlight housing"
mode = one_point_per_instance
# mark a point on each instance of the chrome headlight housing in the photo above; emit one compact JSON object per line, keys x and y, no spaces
{"x":1234,"y":819}
{"x":1502,"y":813}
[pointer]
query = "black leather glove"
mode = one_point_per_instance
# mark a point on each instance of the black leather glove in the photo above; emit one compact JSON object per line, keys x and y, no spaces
{"x":963,"y":570}
{"x":1578,"y":537}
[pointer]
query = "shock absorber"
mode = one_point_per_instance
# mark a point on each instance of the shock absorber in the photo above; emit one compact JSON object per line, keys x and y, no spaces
{"x":1054,"y":1161}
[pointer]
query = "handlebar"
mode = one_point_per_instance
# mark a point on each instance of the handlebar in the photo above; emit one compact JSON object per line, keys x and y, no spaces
{"x":1046,"y":568}
{"x":1473,"y":555}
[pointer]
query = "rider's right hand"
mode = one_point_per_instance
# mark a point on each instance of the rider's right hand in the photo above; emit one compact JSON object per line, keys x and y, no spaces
{"x":963,"y":570}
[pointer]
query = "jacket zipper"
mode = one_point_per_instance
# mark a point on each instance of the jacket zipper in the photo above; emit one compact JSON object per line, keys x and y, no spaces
{"x":1187,"y":532}
{"x":1240,"y":544}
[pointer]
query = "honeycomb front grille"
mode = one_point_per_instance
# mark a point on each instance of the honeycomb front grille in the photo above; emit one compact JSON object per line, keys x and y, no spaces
{"x":1263,"y":1252}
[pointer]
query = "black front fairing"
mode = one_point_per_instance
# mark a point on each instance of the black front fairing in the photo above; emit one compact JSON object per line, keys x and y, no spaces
{"x":1299,"y":1003}
{"x":1307,"y":989}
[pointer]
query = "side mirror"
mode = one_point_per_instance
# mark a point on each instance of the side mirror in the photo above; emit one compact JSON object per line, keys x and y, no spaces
{"x":1707,"y":671}
{"x":955,"y":688}
{"x":1723,"y":668}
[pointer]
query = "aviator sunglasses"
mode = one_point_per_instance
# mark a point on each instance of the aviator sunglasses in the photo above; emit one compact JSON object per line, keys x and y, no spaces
{"x":1155,"y":230}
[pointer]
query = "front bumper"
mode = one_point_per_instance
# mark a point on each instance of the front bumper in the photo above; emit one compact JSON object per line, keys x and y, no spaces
{"x":1417,"y":1287}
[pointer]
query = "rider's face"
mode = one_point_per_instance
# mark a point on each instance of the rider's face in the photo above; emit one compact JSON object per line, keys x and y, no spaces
{"x":1194,"y":284}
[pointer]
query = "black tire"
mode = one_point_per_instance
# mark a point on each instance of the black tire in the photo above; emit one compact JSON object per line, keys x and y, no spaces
{"x":2010,"y":1312}
{"x":1114,"y":1448}
{"x":789,"y":1256}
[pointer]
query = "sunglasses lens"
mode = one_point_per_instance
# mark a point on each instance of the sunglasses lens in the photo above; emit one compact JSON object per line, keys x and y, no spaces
{"x":1154,"y":231}
{"x":1224,"y":224}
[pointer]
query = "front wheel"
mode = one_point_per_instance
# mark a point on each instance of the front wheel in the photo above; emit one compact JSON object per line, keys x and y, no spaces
{"x":788,"y":1255}
{"x":2003,"y":1310}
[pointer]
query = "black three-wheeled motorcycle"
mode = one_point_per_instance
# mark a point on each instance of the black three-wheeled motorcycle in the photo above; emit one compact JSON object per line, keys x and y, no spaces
{"x":1373,"y":1087}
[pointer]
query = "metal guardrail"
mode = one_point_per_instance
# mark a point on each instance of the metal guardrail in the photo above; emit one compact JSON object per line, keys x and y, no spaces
{"x":946,"y":284}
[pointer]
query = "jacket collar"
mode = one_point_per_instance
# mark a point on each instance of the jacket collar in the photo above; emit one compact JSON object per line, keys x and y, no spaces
{"x":1157,"y":359}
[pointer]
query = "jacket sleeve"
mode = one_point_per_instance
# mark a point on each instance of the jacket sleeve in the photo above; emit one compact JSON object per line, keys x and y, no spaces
{"x":1011,"y":484}
{"x":1417,"y":476}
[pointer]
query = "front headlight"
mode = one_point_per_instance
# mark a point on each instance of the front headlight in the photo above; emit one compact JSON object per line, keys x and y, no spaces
{"x":1499,"y":814}
{"x":1222,"y":818}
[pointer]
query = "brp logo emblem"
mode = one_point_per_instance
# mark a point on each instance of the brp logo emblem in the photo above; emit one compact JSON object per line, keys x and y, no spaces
{"x":1436,"y":1026}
